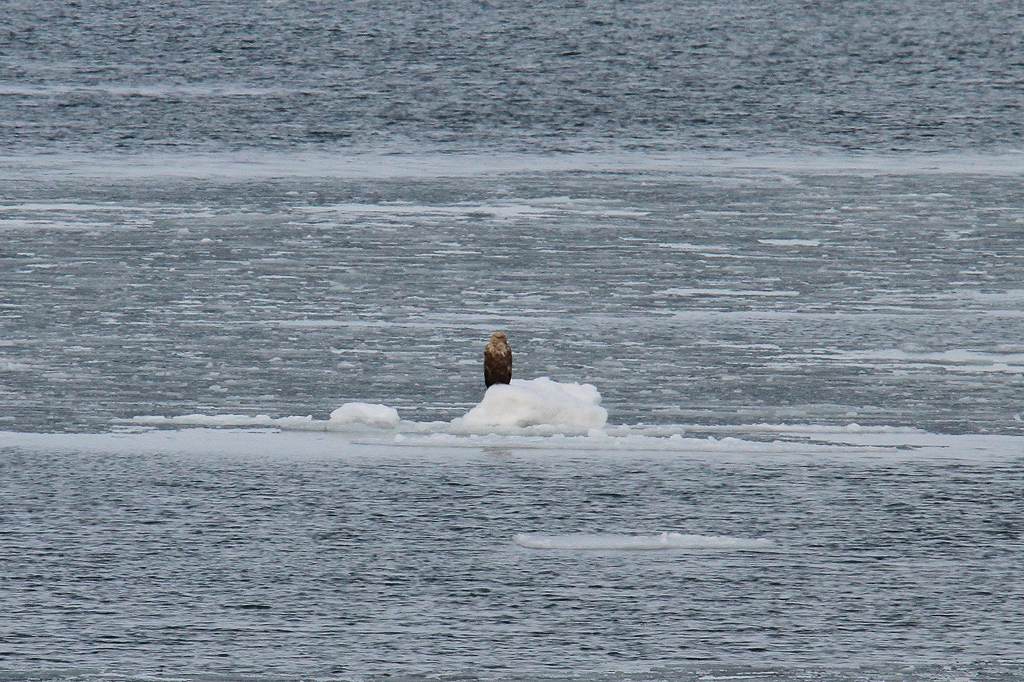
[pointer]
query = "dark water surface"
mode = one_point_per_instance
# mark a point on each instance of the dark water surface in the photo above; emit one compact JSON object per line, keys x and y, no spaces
{"x":371,"y":561}
{"x":557,"y":76}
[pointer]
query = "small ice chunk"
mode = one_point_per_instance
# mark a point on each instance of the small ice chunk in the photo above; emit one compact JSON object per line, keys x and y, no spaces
{"x":370,"y":414}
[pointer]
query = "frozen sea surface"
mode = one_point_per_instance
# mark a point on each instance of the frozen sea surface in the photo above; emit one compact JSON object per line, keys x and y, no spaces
{"x":687,"y":288}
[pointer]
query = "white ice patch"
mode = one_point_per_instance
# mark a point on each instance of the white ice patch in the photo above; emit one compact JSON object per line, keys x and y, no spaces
{"x":500,"y":210}
{"x":300,"y":440}
{"x":954,"y":360}
{"x":12,"y":366}
{"x":567,"y":408}
{"x":348,"y":417}
{"x":790,"y":242}
{"x":686,"y":246}
{"x":19,"y":224}
{"x":369,"y":414}
{"x":233,"y":421}
{"x":588,"y":541}
{"x":725,"y":292}
{"x":144,"y":90}
{"x":723,"y":169}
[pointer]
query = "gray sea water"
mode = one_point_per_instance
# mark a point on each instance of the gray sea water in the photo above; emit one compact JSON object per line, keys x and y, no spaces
{"x":783,"y":241}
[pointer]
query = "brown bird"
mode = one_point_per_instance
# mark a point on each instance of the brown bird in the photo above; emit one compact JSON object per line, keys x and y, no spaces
{"x":497,"y":360}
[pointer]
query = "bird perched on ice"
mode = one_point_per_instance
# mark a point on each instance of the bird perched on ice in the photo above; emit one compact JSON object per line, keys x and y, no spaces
{"x":497,"y":360}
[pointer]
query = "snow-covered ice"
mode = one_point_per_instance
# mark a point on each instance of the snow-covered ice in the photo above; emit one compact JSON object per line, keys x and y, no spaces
{"x":535,"y":406}
{"x":570,"y":408}
{"x":376,"y":415}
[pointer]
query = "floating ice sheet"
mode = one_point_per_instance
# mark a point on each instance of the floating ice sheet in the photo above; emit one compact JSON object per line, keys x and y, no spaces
{"x":612,"y":541}
{"x":251,"y":164}
{"x":549,"y":416}
{"x":871,"y":448}
{"x":536,"y":406}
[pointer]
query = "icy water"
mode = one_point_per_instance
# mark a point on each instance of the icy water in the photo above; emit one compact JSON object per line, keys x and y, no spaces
{"x":186,"y":553}
{"x":782,"y":243}
{"x":686,"y":289}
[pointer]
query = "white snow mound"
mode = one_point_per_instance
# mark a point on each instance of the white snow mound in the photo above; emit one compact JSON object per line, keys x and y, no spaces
{"x":370,"y":414}
{"x":538,"y":402}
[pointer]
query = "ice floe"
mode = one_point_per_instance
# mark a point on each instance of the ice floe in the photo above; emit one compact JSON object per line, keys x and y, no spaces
{"x":370,"y":414}
{"x":570,"y":408}
{"x":550,"y":416}
{"x":613,"y":541}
